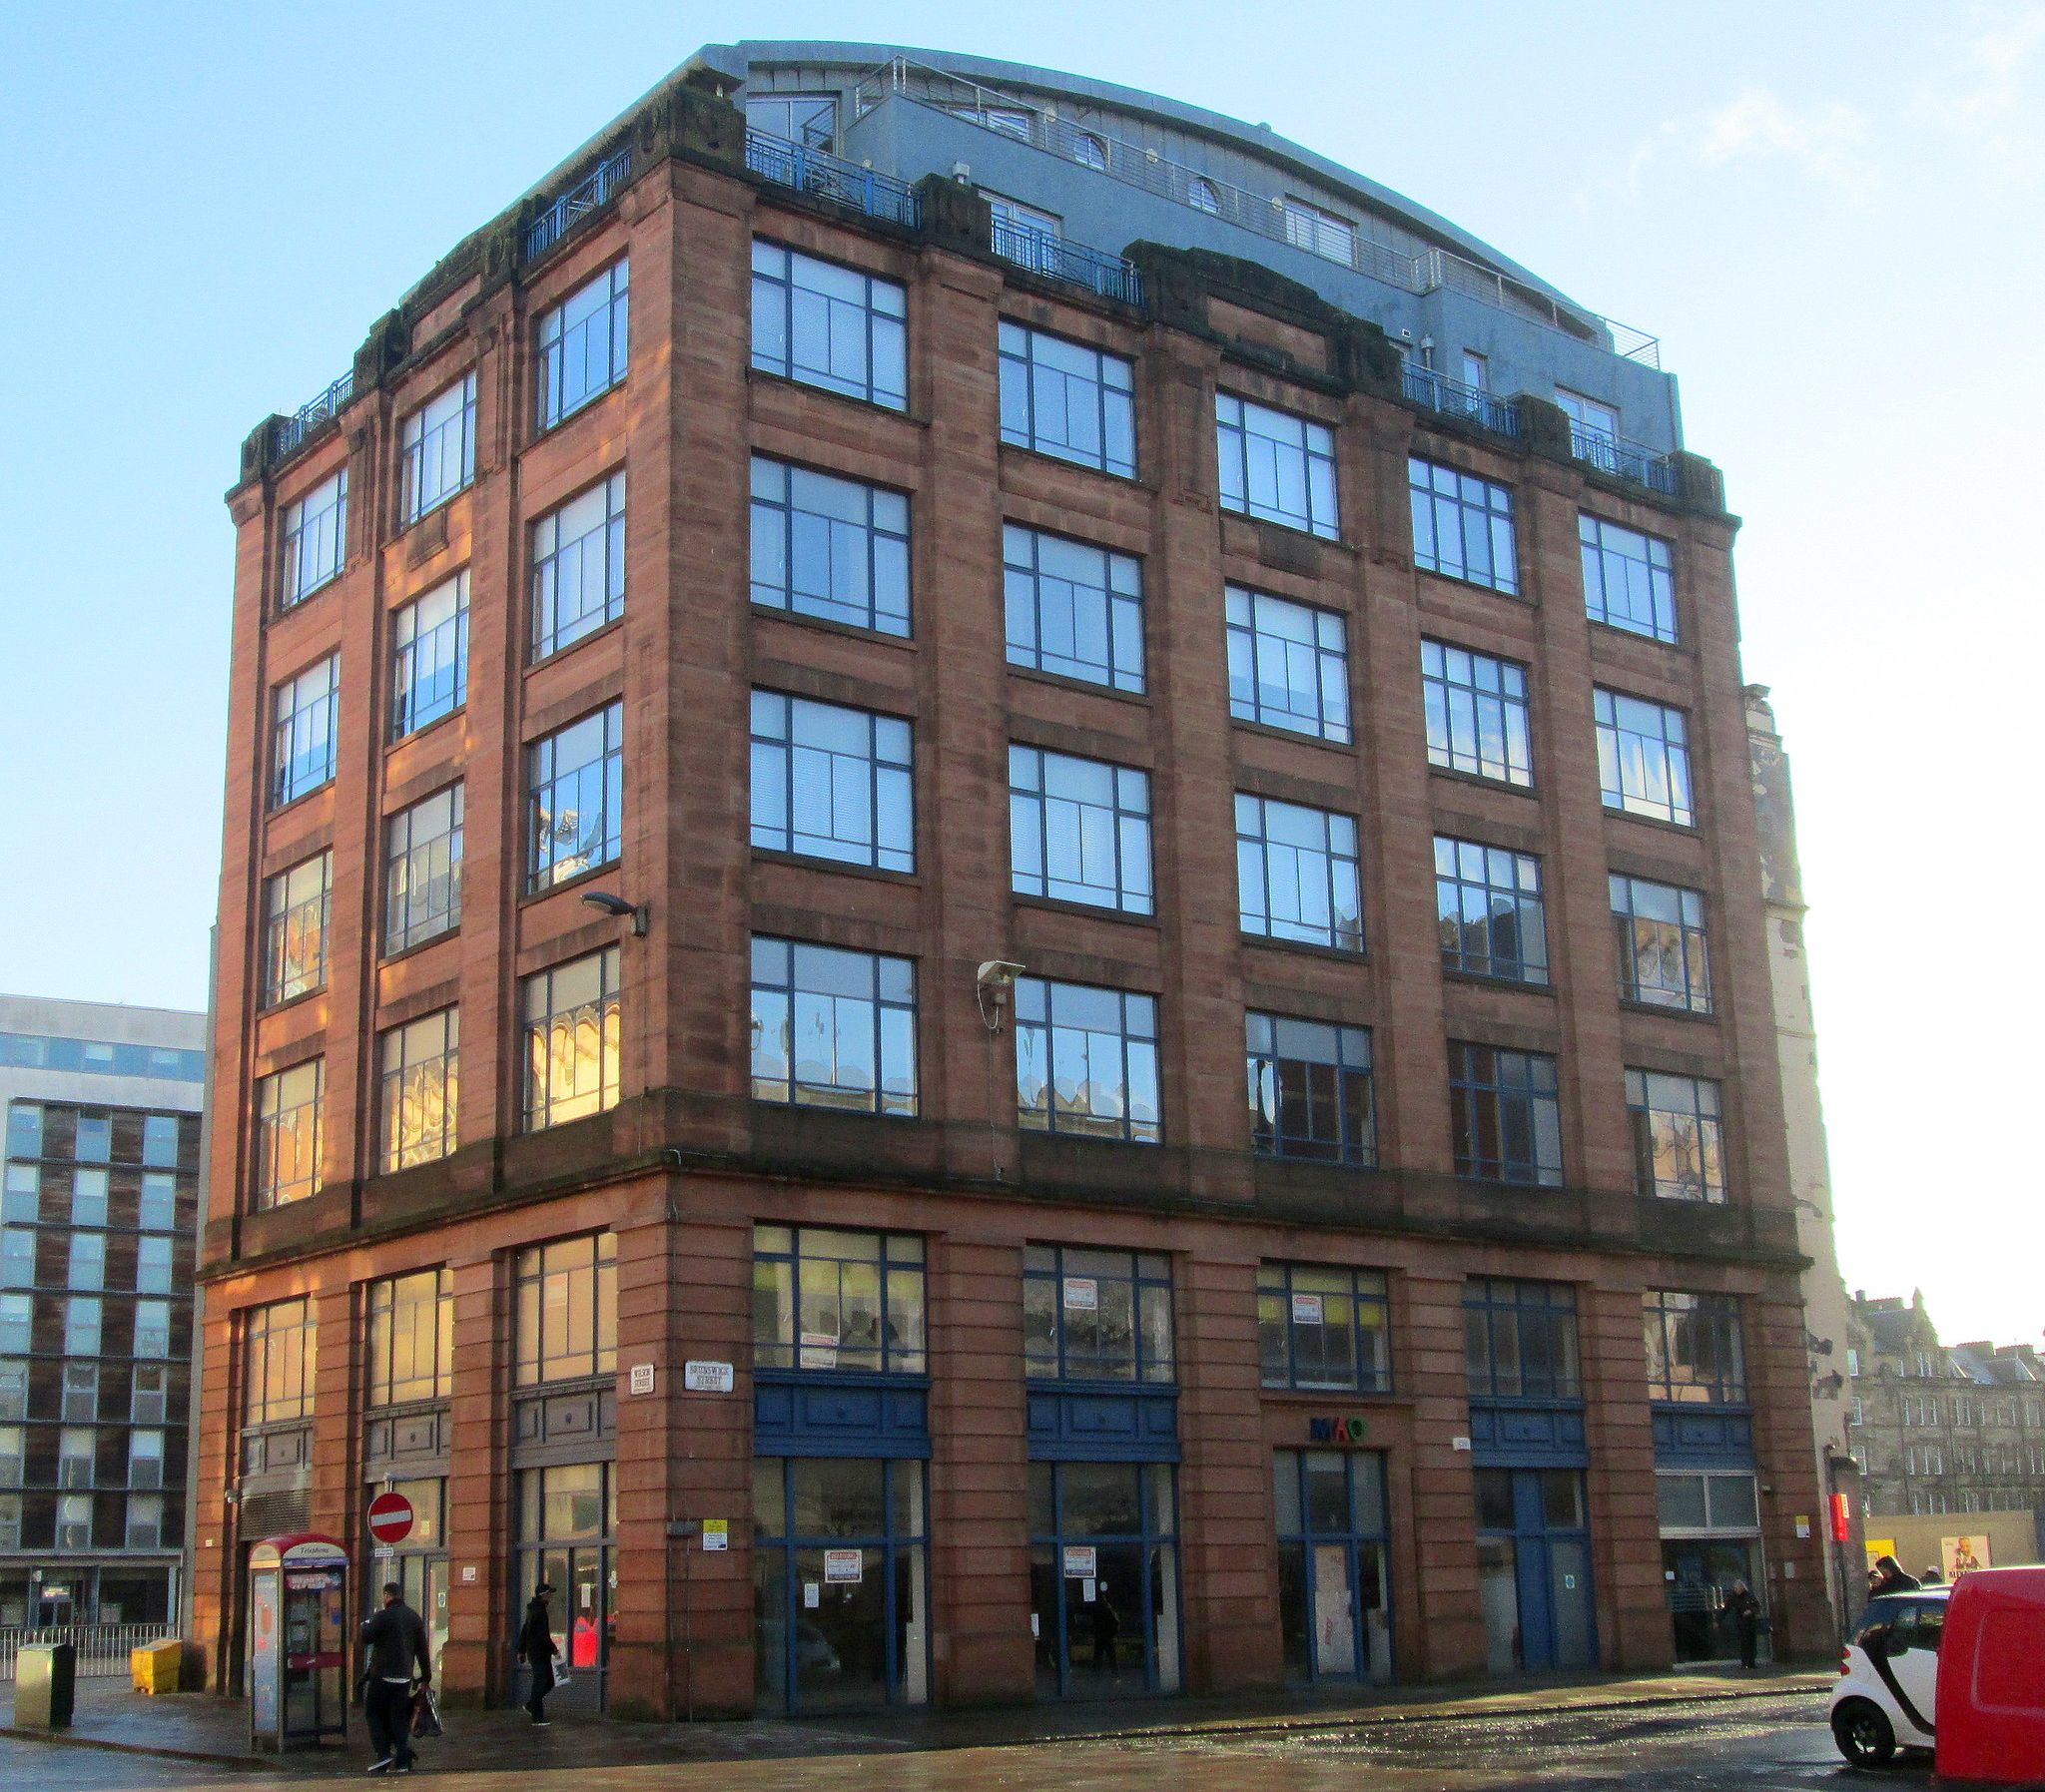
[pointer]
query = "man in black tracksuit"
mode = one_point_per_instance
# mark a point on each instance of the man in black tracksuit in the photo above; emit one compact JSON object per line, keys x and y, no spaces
{"x":537,"y":1647}
{"x":393,"y":1640}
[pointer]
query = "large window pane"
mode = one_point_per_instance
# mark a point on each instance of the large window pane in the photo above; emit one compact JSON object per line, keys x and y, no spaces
{"x":829,"y":325}
{"x":1072,"y":609}
{"x":582,"y":344}
{"x":1060,"y":397}
{"x":1079,"y":830}
{"x":571,"y":1026}
{"x":1289,"y":665}
{"x":833,"y":1028}
{"x":830,"y":547}
{"x":833,"y":783}
{"x":575,"y":803}
{"x":1277,"y":466}
{"x":578,"y":567}
{"x":1087,"y":1061}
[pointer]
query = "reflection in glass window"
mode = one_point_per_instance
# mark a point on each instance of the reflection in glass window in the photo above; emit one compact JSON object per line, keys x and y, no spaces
{"x":1277,"y":466}
{"x":81,"y":1316}
{"x":280,"y":1362}
{"x":830,"y":1300}
{"x":419,"y":1084}
{"x":305,"y":715}
{"x":294,"y":929}
{"x":1087,"y":1061}
{"x":1489,"y":911}
{"x":1289,"y":665}
{"x":1629,"y":578}
{"x":578,"y":567}
{"x":160,"y":1140}
{"x":289,"y":1112}
{"x":314,"y":540}
{"x":829,"y":325}
{"x":582,"y":344}
{"x":830,"y":547}
{"x":833,"y":783}
{"x":430,"y":656}
{"x":1505,"y":1114}
{"x":422,"y":858}
{"x":1463,"y":526}
{"x":411,"y":1336}
{"x":1644,"y":758}
{"x":1092,"y":1315}
{"x":571,"y":1026}
{"x":1694,"y":1347}
{"x":1676,"y":1145}
{"x":1062,"y":398}
{"x":1297,"y":875}
{"x":567,"y":1304}
{"x":1662,"y":957}
{"x":1311,"y":1090}
{"x":1074,"y":609}
{"x":1079,"y":830}
{"x":833,"y":1028}
{"x":1519,"y":1339}
{"x":436,"y":449}
{"x":153,"y":1265}
{"x":88,"y":1261}
{"x":1324,"y":1328}
{"x":575,"y":799}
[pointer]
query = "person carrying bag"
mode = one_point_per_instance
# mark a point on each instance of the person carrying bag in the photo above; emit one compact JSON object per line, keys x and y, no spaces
{"x":536,"y":1647}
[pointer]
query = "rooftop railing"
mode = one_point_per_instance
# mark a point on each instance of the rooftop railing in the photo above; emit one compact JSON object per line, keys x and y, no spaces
{"x":1626,"y":460}
{"x":1452,"y":398}
{"x":1057,"y":257}
{"x":810,"y":170}
{"x":289,"y":433}
{"x":1348,"y":243}
{"x":590,"y":194}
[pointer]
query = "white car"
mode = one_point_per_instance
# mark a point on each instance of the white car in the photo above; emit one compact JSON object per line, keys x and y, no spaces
{"x":1887,"y":1696}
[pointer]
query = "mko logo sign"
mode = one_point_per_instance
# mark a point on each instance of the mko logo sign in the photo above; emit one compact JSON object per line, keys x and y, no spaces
{"x":1336,"y":1430}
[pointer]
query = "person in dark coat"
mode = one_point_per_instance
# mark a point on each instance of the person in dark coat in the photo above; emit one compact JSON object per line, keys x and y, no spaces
{"x":1890,"y":1577}
{"x":537,"y":1650}
{"x":1107,"y":1625}
{"x":393,"y":1644}
{"x":1746,"y":1620}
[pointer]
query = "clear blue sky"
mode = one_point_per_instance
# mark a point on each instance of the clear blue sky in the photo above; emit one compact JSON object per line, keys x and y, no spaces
{"x":1831,"y":213}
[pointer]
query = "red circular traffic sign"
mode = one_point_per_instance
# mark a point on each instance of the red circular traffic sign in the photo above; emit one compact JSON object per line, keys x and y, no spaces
{"x":390,"y":1518}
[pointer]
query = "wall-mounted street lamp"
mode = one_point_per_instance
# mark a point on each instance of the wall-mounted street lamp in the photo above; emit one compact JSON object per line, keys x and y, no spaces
{"x":638,"y":912}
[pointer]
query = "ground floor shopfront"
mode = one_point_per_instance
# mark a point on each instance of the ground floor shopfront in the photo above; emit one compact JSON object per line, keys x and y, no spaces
{"x":806,"y":1451}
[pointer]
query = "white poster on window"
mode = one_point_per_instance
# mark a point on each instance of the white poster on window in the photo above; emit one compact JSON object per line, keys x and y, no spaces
{"x":844,"y":1568}
{"x":1081,"y":1563}
{"x":1083,"y":1294}
{"x":1306,"y":1309}
{"x":819,"y":1351}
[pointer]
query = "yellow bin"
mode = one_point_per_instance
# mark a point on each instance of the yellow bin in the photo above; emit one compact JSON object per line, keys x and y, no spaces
{"x":155,"y":1665}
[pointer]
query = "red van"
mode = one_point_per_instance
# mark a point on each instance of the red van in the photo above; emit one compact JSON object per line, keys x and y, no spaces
{"x":1991,"y":1680}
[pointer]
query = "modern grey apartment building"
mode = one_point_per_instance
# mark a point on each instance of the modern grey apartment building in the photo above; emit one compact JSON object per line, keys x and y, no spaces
{"x":97,"y":1221}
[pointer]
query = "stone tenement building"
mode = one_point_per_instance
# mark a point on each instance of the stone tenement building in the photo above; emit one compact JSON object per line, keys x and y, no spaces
{"x":992,"y":928}
{"x":1943,"y":1428}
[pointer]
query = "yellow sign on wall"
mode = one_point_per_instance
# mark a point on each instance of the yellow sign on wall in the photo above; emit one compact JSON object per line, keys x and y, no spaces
{"x":1878,"y":1547}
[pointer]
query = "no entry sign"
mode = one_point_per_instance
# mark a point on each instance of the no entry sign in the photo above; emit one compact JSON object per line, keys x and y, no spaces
{"x":390,"y":1518}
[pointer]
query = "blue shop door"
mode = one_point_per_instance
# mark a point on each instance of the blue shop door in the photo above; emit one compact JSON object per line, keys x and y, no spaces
{"x":1537,"y":1544}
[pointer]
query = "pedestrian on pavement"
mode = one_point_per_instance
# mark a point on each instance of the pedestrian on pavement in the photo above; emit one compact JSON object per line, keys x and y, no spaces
{"x":537,"y":1648}
{"x":1746,"y":1620}
{"x":1890,"y":1578}
{"x":394,"y":1643}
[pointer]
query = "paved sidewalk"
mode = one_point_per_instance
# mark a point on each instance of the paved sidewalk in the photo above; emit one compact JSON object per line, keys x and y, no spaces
{"x":199,"y":1727}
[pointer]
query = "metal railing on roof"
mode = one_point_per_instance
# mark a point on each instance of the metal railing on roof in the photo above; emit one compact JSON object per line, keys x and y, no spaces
{"x":590,"y":194}
{"x":289,"y":433}
{"x":1452,"y":398}
{"x":1057,"y":257}
{"x":810,"y":170}
{"x":1626,"y":460}
{"x":1347,"y":243}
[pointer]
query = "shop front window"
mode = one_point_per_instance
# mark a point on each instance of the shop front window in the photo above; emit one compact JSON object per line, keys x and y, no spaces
{"x":567,"y":1531}
{"x":1103,"y":1578}
{"x":1334,"y":1604}
{"x":831,"y":1300}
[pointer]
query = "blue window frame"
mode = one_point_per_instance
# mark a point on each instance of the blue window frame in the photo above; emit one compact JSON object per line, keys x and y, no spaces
{"x":1534,"y":1570}
{"x":297,"y":908}
{"x":582,"y":344}
{"x":840,"y":1577}
{"x":436,"y":449}
{"x":1664,"y":960}
{"x":578,"y":567}
{"x":833,"y":783}
{"x":1311,"y":1092}
{"x":1289,"y":665}
{"x":1693,"y":1348}
{"x":1103,"y":1578}
{"x":1062,"y":398}
{"x":1644,"y":758}
{"x":1096,"y":1315}
{"x":830,"y":547}
{"x":1334,"y":1586}
{"x":1629,"y":578}
{"x":1297,"y":873}
{"x":1505,"y":1114}
{"x":833,"y":1028}
{"x":430,"y":656}
{"x":422,"y":870}
{"x":1087,"y":1061}
{"x":314,"y":540}
{"x":1678,"y":1149}
{"x":1463,"y":526}
{"x":306,"y":713}
{"x":1324,"y":1329}
{"x":825,"y":1300}
{"x":1277,"y":466}
{"x":1079,"y":830}
{"x":1519,"y":1339}
{"x":1477,"y":721}
{"x":575,"y":799}
{"x":1489,"y":911}
{"x":1074,"y":609}
{"x":829,"y":325}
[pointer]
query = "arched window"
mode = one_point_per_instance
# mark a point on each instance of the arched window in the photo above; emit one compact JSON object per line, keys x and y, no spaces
{"x":1200,"y":195}
{"x":1090,"y":150}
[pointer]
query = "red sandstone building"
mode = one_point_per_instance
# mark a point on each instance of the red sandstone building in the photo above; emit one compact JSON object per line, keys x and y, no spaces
{"x":1066,"y":946}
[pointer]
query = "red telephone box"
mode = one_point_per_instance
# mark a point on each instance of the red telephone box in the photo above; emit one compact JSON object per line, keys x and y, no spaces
{"x":1991,"y":1679}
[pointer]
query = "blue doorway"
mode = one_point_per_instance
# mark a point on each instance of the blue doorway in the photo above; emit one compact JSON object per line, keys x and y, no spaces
{"x":1103,"y":1578}
{"x":1533,"y":1571}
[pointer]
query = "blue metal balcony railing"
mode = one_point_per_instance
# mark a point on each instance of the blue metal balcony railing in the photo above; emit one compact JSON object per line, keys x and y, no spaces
{"x":289,"y":433}
{"x":807,"y":169}
{"x":1626,"y":460}
{"x":590,"y":194}
{"x":1045,"y":252}
{"x":1452,"y":398}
